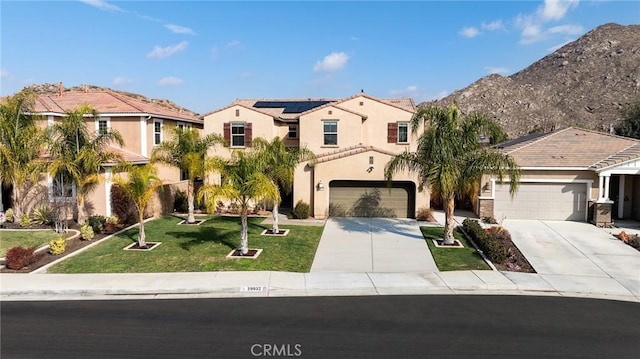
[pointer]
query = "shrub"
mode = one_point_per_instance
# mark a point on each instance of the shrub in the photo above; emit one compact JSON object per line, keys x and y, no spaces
{"x":25,"y":221}
{"x":301,"y":210}
{"x":9,"y":216}
{"x":486,"y":240}
{"x":180,"y":203}
{"x":42,"y":214}
{"x":57,"y":246}
{"x":122,"y":206}
{"x":112,"y":220}
{"x":97,"y":223}
{"x":20,"y":257}
{"x":424,"y":214}
{"x":489,"y":220}
{"x":86,"y":232}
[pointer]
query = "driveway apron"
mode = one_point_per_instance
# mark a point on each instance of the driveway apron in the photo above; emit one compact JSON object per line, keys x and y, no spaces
{"x":372,"y":245}
{"x":574,"y":248}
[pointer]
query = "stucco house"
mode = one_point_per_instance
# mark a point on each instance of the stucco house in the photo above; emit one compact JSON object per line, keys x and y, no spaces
{"x":570,"y":174}
{"x":142,"y":124}
{"x":353,"y":138}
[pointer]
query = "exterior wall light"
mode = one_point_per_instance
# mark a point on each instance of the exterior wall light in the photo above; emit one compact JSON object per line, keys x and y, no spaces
{"x":320,"y":186}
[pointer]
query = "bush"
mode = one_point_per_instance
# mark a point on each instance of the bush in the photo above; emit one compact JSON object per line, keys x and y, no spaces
{"x":301,"y":210}
{"x":180,"y":202}
{"x":20,"y":257}
{"x":86,"y":232}
{"x":42,"y":214}
{"x":486,"y":241}
{"x":122,"y":206}
{"x":9,"y":216}
{"x":25,"y":221}
{"x":489,"y":220}
{"x":57,"y":246}
{"x":97,"y":223}
{"x":424,"y":214}
{"x":112,"y":220}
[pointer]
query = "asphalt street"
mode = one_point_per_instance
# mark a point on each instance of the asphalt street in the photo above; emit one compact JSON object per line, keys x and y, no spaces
{"x":435,"y":326}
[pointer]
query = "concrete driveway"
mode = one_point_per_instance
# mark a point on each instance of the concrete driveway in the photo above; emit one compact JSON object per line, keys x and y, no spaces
{"x":372,"y":245}
{"x":574,"y":249}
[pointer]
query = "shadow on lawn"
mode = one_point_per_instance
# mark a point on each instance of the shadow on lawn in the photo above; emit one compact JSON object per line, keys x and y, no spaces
{"x":209,"y":232}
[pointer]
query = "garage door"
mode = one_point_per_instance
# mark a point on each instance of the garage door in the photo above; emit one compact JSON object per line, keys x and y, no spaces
{"x":371,"y":199}
{"x":554,"y":201}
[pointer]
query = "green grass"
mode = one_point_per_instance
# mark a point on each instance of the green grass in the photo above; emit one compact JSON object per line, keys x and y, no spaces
{"x":449,"y":259}
{"x":198,"y":248}
{"x":24,"y":238}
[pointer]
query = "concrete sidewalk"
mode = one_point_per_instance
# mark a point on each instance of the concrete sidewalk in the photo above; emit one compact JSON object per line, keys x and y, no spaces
{"x":275,"y":284}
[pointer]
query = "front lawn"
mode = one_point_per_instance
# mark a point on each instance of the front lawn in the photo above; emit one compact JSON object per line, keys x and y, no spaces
{"x":24,"y":238}
{"x":449,"y":259}
{"x":198,"y":248}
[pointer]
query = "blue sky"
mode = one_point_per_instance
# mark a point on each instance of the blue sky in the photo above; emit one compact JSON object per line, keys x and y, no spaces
{"x":204,"y":54}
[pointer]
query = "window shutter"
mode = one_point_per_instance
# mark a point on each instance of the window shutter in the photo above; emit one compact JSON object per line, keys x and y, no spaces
{"x":248,"y":136}
{"x":226,"y":130}
{"x":392,"y":132}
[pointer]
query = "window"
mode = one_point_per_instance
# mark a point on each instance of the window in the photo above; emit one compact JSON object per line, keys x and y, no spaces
{"x":184,"y":175}
{"x":102,"y":127}
{"x":61,"y":187}
{"x":157,"y":132}
{"x":181,"y":126}
{"x":403,"y":132}
{"x":330,"y":129}
{"x":293,"y":131}
{"x":237,"y":134}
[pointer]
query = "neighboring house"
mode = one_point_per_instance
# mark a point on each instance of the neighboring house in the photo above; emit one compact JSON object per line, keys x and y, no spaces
{"x":570,"y":174}
{"x":141,"y":123}
{"x":353,"y":139}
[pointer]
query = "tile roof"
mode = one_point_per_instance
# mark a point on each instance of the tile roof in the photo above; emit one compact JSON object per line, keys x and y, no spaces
{"x":348,"y":151}
{"x":406,"y":104}
{"x":108,"y":102}
{"x":572,"y":147}
{"x":126,"y":156}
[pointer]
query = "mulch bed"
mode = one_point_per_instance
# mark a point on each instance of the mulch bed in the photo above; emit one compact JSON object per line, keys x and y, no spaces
{"x":250,"y":253}
{"x":45,"y":258}
{"x":516,"y":261}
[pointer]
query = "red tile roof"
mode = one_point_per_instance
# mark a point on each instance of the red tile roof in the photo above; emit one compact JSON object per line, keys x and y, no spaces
{"x":108,"y":102}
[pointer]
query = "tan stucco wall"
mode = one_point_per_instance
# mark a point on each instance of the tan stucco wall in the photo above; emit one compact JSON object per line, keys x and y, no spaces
{"x":346,"y":168}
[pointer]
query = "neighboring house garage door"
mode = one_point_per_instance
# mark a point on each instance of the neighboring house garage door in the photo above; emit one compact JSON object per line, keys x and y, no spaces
{"x":554,"y":201}
{"x":371,"y":199}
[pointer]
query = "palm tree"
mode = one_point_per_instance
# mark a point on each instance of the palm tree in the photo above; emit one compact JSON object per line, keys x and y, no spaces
{"x":77,"y":155}
{"x":141,"y":184}
{"x":280,"y":164}
{"x":187,"y":151}
{"x":450,"y":157}
{"x":243,"y":181}
{"x":21,"y":142}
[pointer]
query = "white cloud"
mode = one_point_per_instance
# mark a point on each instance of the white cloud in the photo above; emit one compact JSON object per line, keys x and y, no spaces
{"x":469,"y":32}
{"x":121,"y":80}
{"x":566,"y":29}
{"x":235,"y":44}
{"x":493,"y":25}
{"x":170,"y":81}
{"x":102,"y":5}
{"x":160,"y":52}
{"x":497,"y":70}
{"x":179,"y":29}
{"x":418,"y":94}
{"x":332,"y":62}
{"x":353,"y":38}
{"x":556,"y":9}
{"x":4,"y":74}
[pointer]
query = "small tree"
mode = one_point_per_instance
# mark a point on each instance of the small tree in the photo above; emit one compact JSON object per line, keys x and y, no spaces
{"x":243,"y":181}
{"x":450,"y":158}
{"x":140,"y":185}
{"x":187,"y":151}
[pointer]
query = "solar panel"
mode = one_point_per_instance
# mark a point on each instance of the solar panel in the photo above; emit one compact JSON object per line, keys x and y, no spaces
{"x":291,"y":106}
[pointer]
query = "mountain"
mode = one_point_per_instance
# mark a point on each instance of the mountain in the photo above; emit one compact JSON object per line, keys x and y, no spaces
{"x":584,"y":83}
{"x":52,"y":89}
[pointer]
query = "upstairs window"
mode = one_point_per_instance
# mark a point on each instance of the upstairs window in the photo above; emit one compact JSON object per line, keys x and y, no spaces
{"x":102,"y":127}
{"x":237,"y":134}
{"x":403,"y":132}
{"x":293,"y":132}
{"x":157,"y":132}
{"x":330,"y":131}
